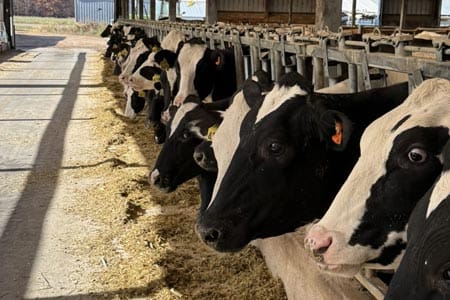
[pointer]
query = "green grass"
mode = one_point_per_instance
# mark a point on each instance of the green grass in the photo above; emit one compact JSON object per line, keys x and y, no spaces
{"x":56,"y":25}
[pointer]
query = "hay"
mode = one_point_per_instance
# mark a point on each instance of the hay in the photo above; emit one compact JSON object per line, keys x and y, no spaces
{"x":146,"y":245}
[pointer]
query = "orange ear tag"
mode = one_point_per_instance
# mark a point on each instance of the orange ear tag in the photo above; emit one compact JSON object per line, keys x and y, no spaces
{"x":337,"y":137}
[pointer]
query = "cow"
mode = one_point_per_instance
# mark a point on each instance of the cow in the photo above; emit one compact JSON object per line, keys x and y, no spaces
{"x":189,"y":125}
{"x":208,"y":74}
{"x":142,"y":46}
{"x":424,"y":272}
{"x":400,"y":159}
{"x":288,"y":160}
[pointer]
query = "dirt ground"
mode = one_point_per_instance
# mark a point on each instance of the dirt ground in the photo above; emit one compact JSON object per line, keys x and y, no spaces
{"x":127,"y":240}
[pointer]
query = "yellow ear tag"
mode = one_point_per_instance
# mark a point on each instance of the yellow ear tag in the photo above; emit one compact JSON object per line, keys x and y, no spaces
{"x":337,"y":137}
{"x":124,"y":52}
{"x":155,"y":49}
{"x":211,"y":132}
{"x":156,"y":78}
{"x":141,"y":94}
{"x":164,"y":65}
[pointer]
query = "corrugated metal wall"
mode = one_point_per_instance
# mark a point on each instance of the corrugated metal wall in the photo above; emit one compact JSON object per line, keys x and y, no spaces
{"x":241,"y":5}
{"x":95,"y":11}
{"x":414,"y":7}
{"x":303,"y":6}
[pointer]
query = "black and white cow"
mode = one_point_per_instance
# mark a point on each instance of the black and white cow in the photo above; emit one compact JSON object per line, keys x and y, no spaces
{"x":142,"y":46}
{"x":208,"y":74}
{"x":401,"y":156}
{"x":189,"y":126}
{"x":283,"y":168}
{"x":424,"y":272}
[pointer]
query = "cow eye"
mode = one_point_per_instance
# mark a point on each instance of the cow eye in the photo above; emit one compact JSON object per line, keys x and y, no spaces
{"x":276,"y":148}
{"x":446,"y":274}
{"x":417,"y":155}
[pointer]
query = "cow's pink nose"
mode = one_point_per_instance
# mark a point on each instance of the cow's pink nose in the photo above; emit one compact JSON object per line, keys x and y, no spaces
{"x":318,"y":241}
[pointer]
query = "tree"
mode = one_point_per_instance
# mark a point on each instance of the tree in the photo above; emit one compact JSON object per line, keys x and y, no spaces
{"x":44,"y":8}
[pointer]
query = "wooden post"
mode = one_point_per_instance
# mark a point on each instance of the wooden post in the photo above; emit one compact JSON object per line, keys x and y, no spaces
{"x":141,"y":9}
{"x":172,"y":10}
{"x":133,"y":9}
{"x":319,"y":78}
{"x":211,"y":11}
{"x":152,"y":9}
{"x":353,"y":12}
{"x":328,"y":13}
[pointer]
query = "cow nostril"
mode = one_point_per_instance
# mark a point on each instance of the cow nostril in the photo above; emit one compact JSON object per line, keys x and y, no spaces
{"x":212,"y":236}
{"x":198,"y":157}
{"x":165,"y":181}
{"x":320,"y":251}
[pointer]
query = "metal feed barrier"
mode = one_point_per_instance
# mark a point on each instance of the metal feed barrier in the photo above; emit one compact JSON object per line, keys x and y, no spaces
{"x":350,"y":51}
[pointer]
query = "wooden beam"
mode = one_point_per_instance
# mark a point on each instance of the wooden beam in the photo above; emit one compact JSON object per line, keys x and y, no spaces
{"x":326,"y":14}
{"x":211,"y":11}
{"x":172,"y":10}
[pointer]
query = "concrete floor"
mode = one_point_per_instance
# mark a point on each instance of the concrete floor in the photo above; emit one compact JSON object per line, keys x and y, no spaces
{"x":44,"y":133}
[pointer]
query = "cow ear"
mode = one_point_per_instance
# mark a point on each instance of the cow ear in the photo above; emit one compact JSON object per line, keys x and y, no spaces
{"x":336,"y":129}
{"x":252,"y":92}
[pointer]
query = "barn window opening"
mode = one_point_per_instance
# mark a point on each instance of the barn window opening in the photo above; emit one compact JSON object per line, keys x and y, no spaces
{"x":445,"y":13}
{"x":367,"y":12}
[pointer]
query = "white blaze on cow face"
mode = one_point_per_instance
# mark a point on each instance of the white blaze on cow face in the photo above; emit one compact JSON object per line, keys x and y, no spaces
{"x":189,"y":56}
{"x":172,"y":39}
{"x":179,"y":115}
{"x":138,"y":82}
{"x":427,"y":106}
{"x":277,"y":97}
{"x":226,"y":139}
{"x":130,"y":62}
{"x":440,"y":192}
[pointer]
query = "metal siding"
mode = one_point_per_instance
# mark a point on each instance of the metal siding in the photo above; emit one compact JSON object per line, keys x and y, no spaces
{"x":419,"y":7}
{"x":94,"y":11}
{"x":298,"y":6}
{"x":414,"y":7}
{"x":241,"y":5}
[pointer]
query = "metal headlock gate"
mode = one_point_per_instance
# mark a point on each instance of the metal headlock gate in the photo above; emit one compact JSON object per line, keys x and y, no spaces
{"x":279,"y":49}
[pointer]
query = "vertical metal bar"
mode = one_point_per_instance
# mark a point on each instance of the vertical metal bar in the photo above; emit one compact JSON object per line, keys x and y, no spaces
{"x":403,"y":14}
{"x":360,"y":77}
{"x":172,"y":10}
{"x":352,"y":78}
{"x":239,"y":60}
{"x":247,"y":67}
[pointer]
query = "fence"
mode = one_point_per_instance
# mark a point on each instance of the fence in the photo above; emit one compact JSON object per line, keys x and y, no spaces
{"x":423,"y":52}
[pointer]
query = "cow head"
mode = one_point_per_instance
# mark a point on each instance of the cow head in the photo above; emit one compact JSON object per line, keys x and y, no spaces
{"x":197,"y":68}
{"x":280,"y":165}
{"x":400,"y":159}
{"x":424,"y":272}
{"x":187,"y":128}
{"x":256,"y":193}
